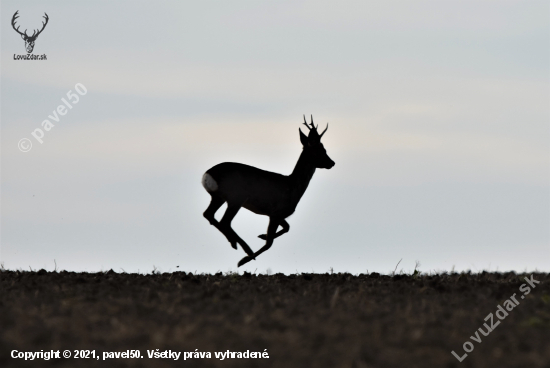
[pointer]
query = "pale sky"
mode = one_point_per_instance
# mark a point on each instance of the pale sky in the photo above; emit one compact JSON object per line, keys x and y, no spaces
{"x":439,"y":126}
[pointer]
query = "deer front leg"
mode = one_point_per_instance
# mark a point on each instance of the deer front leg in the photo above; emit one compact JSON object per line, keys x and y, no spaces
{"x":286,"y":228}
{"x":271,"y":234}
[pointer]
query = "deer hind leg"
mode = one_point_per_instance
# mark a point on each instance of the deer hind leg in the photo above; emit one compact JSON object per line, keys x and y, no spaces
{"x":286,"y":228}
{"x":230,"y":234}
{"x":213,"y":207}
{"x":271,"y":234}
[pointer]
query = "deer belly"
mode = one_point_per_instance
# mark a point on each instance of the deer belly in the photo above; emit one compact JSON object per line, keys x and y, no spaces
{"x":257,"y":208}
{"x":267,"y":208}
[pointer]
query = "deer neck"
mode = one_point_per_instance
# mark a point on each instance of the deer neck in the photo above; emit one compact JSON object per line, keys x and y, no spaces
{"x":300,"y":177}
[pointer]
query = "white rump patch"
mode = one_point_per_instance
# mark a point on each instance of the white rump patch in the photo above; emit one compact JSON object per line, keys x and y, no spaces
{"x":209,"y":183}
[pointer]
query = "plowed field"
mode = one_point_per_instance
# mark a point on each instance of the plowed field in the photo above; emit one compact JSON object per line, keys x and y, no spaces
{"x":306,"y":320}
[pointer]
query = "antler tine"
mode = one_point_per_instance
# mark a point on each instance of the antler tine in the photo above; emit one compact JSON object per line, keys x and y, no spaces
{"x":43,"y":23}
{"x":324,"y":131}
{"x":13,"y":19}
{"x":313,"y":125}
{"x":305,"y":123}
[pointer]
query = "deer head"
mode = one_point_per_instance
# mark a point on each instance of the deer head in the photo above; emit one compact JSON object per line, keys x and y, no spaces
{"x":29,"y":40}
{"x":312,"y":144}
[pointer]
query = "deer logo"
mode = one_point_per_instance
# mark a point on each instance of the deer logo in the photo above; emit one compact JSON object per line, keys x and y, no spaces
{"x":263,"y":192}
{"x":29,"y":40}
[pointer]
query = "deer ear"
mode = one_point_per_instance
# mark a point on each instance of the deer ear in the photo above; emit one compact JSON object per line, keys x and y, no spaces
{"x":23,"y":36}
{"x":303,"y":138}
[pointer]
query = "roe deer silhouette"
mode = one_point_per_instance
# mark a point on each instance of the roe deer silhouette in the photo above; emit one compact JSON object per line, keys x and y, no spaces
{"x":263,"y":192}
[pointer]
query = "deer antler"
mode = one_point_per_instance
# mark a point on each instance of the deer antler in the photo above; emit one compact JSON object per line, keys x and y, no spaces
{"x":312,"y":126}
{"x":305,"y":123}
{"x":34,"y":34}
{"x":323,"y":131}
{"x":15,"y":16}
{"x":312,"y":123}
{"x":43,"y":26}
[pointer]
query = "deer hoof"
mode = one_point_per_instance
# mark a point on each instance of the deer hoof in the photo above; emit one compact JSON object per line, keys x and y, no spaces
{"x":263,"y":236}
{"x":243,"y":261}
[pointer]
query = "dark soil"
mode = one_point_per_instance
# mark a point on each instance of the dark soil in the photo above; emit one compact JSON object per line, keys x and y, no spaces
{"x":307,"y":320}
